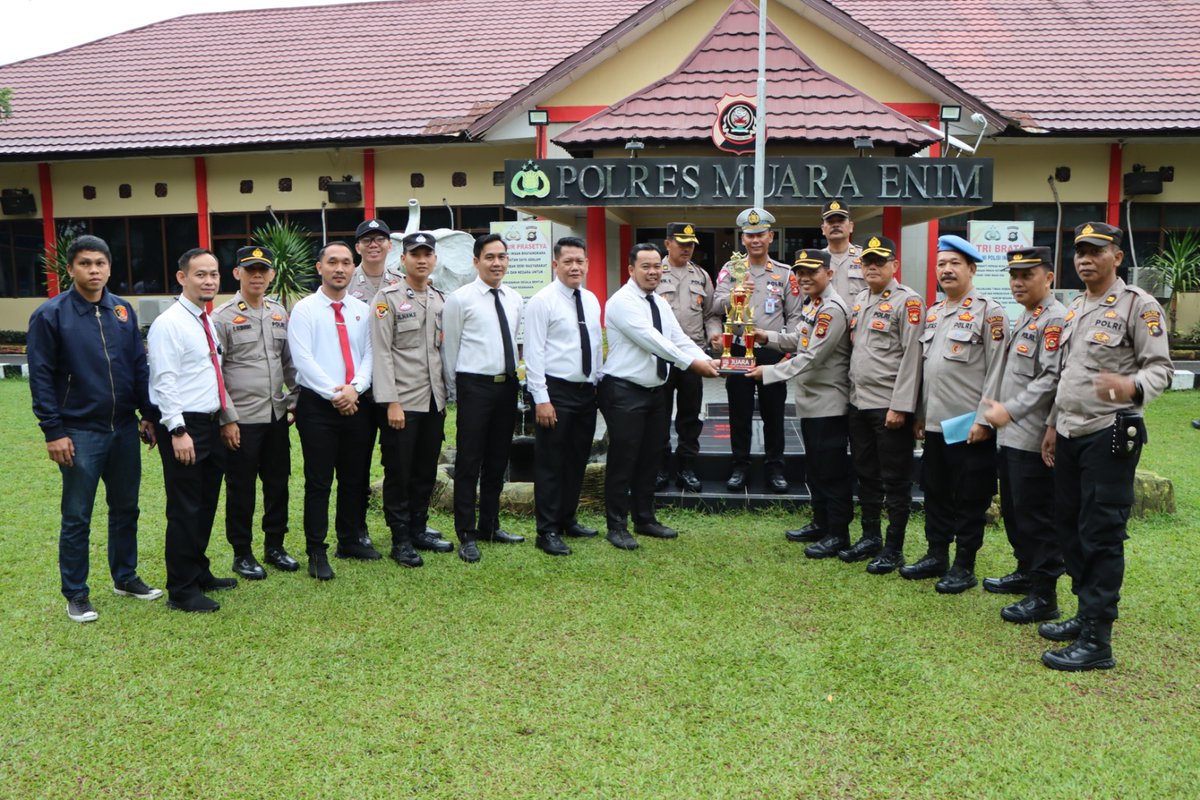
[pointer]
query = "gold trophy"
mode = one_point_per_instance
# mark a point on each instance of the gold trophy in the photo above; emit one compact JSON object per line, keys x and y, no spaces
{"x":740,"y":314}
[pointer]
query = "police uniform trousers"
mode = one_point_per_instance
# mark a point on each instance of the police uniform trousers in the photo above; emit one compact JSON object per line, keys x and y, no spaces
{"x":771,"y":401}
{"x":193,"y":491}
{"x":1027,"y":506}
{"x":409,"y":457}
{"x":334,"y":445}
{"x":684,"y":390}
{"x":1093,"y":495}
{"x":828,"y":474}
{"x":959,"y":482}
{"x":265,"y":453}
{"x":883,"y":465}
{"x":636,"y":418}
{"x":487,"y":415}
{"x":561,"y":454}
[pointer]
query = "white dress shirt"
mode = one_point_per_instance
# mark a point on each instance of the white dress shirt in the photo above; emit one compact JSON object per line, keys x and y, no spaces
{"x":633,"y":341}
{"x":552,"y":340}
{"x":471,"y":326}
{"x":317,"y":350}
{"x":182,"y":377}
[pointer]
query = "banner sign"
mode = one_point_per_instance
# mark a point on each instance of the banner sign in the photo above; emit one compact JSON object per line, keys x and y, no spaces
{"x":993,"y":239}
{"x":529,"y":254}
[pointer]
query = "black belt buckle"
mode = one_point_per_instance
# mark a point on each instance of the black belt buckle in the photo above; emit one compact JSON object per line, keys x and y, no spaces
{"x":1128,"y":434}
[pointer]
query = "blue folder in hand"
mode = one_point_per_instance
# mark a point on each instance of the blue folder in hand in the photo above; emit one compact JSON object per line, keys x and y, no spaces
{"x":955,"y":429}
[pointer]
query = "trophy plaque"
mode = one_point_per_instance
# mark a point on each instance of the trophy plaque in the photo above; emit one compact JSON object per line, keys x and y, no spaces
{"x":740,"y":314}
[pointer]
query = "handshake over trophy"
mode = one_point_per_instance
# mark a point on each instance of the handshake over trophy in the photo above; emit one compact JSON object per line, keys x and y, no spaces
{"x":741,"y":314}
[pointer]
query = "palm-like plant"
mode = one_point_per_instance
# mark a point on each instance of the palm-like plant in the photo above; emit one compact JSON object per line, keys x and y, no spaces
{"x":1176,"y":269}
{"x":56,"y":261}
{"x":294,"y":259}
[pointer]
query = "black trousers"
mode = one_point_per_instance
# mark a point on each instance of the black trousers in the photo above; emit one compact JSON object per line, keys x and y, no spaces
{"x":828,"y":473}
{"x":1027,"y":505}
{"x":771,"y":401}
{"x":683,"y":391}
{"x":561,"y":454}
{"x":409,"y":457}
{"x":636,"y":419}
{"x":883,"y":466}
{"x":487,"y":413}
{"x":334,"y":445}
{"x":193,"y":491}
{"x":1093,"y":495}
{"x":265,"y":454}
{"x":959,"y":482}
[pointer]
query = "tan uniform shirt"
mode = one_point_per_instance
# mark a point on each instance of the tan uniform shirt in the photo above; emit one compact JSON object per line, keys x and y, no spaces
{"x":776,"y":298}
{"x":406,"y":335}
{"x":1030,"y":375}
{"x":847,"y":272}
{"x":257,"y":363}
{"x":1123,"y":334}
{"x":963,"y":346}
{"x":689,"y":292}
{"x":885,"y":364}
{"x":821,"y":365}
{"x":364,"y":287}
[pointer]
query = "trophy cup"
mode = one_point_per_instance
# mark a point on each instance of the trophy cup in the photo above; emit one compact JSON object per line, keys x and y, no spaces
{"x":739,"y":314}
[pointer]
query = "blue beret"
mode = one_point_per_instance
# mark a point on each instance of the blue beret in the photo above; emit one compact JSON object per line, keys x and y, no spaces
{"x":959,"y":245}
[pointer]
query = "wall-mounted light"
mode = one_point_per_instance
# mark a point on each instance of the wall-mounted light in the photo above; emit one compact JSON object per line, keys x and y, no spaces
{"x":538,"y":117}
{"x":633,"y":146}
{"x":862,"y":144}
{"x":950,"y":113}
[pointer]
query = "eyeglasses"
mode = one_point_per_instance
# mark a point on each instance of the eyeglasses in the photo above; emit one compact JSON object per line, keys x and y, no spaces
{"x":373,"y":239}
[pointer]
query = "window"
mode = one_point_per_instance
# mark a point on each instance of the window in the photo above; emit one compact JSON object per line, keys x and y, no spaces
{"x":21,"y":272}
{"x":145,"y":249}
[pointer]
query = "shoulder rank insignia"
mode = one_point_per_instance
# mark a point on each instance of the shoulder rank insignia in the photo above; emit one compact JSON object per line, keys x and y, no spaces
{"x":242,"y":305}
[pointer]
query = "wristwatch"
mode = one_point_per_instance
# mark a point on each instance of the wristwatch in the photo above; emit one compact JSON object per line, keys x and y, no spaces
{"x":178,"y":431}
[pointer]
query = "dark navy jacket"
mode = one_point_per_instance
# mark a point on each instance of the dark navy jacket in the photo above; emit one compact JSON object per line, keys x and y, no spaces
{"x":87,"y":364}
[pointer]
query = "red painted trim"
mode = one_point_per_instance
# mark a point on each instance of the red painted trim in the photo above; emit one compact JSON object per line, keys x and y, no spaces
{"x":543,"y":143}
{"x":597,"y":242}
{"x":893,"y":225}
{"x":369,"y":183}
{"x":49,"y":231}
{"x":571,"y":113}
{"x":922,"y":112}
{"x":935,"y":150}
{"x":625,"y":238}
{"x":205,"y":231}
{"x":1114,"y":185}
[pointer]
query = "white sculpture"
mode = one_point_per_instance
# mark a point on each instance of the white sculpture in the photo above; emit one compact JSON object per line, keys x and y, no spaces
{"x":455,"y":252}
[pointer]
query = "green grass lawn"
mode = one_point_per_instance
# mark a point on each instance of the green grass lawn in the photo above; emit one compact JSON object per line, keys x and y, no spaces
{"x":721,"y":664}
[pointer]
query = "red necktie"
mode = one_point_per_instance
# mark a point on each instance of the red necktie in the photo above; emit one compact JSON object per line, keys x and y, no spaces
{"x":344,"y":340}
{"x":212,"y":353}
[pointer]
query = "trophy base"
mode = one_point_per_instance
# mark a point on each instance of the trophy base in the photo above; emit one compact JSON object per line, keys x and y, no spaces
{"x":736,"y":365}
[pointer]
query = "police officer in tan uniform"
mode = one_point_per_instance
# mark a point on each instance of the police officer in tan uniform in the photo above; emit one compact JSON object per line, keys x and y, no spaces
{"x":410,"y":393}
{"x":372,"y":242}
{"x":688,"y":289}
{"x":845,"y":258}
{"x":1021,"y":405}
{"x":775,"y":300}
{"x":963,"y":343}
{"x":885,"y":384}
{"x":1114,"y":360}
{"x":821,"y":373}
{"x":260,"y":380}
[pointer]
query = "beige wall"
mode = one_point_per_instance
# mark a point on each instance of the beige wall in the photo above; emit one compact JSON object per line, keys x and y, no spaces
{"x":394,"y":168}
{"x":1022,"y":169}
{"x":21,"y":176}
{"x":1185,"y":158}
{"x":69,"y":177}
{"x":305,"y":168}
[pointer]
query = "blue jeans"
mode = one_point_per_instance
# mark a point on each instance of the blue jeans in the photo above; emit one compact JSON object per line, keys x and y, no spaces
{"x":115,"y":458}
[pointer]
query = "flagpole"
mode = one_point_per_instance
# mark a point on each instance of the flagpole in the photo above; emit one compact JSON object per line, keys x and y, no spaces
{"x":760,"y":124}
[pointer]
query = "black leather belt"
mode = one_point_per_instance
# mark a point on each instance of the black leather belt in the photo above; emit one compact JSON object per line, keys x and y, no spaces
{"x":487,"y":378}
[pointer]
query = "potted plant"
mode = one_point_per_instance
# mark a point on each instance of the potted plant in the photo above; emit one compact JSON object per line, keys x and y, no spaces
{"x":1175,"y":270}
{"x":295,"y":260}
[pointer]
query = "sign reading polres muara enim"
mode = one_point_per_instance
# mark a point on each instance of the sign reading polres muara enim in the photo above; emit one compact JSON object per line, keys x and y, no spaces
{"x":959,"y":182}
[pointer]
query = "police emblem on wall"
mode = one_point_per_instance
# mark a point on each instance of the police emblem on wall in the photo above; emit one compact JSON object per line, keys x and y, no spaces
{"x":530,"y":182}
{"x":735,"y":127}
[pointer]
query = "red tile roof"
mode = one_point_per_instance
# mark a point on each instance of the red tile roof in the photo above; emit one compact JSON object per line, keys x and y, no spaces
{"x":410,"y":68}
{"x":804,"y":103}
{"x":1100,"y":65}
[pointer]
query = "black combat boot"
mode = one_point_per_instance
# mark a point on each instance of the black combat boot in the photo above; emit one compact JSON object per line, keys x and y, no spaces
{"x":1065,"y":631}
{"x":1092,"y":650}
{"x":1040,"y":604}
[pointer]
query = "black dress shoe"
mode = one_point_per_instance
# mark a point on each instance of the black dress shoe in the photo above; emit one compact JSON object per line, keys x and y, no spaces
{"x":809,"y":533}
{"x":686,"y":479}
{"x":888,"y":560}
{"x":551,"y":545}
{"x":214,"y":584}
{"x":195,"y":604}
{"x":956,"y":581}
{"x":826,"y":548}
{"x":430,"y":539}
{"x":468,"y":551}
{"x":278,"y":557}
{"x":928,"y":567}
{"x":1013,"y":583}
{"x":578,"y":531}
{"x":1092,"y":650}
{"x":501,"y":536}
{"x":863,"y":549}
{"x":622,"y":540}
{"x":360,"y":549}
{"x":1033,"y":608}
{"x":737,"y":480}
{"x":404,"y":555}
{"x":779,"y":484}
{"x":661,"y":480}
{"x":1065,"y":631}
{"x":655,"y":531}
{"x":249,"y":568}
{"x":318,"y":566}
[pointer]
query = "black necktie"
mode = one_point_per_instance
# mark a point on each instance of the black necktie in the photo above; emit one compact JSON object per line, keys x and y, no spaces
{"x":510,"y":358}
{"x":657,"y":317}
{"x":585,"y":341}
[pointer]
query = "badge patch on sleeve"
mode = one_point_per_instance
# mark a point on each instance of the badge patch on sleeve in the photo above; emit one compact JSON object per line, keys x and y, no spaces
{"x":381,"y":310}
{"x":795,"y":285}
{"x":913,"y":306}
{"x":823,"y":320}
{"x":1050,"y":340}
{"x":997,"y":325}
{"x":1153,"y":322}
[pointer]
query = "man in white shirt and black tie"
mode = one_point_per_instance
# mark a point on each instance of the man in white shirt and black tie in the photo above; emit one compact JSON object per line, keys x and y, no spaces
{"x":480,"y":322}
{"x":644,"y":343}
{"x":329,"y":337}
{"x":562,"y":366}
{"x":188,"y":388}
